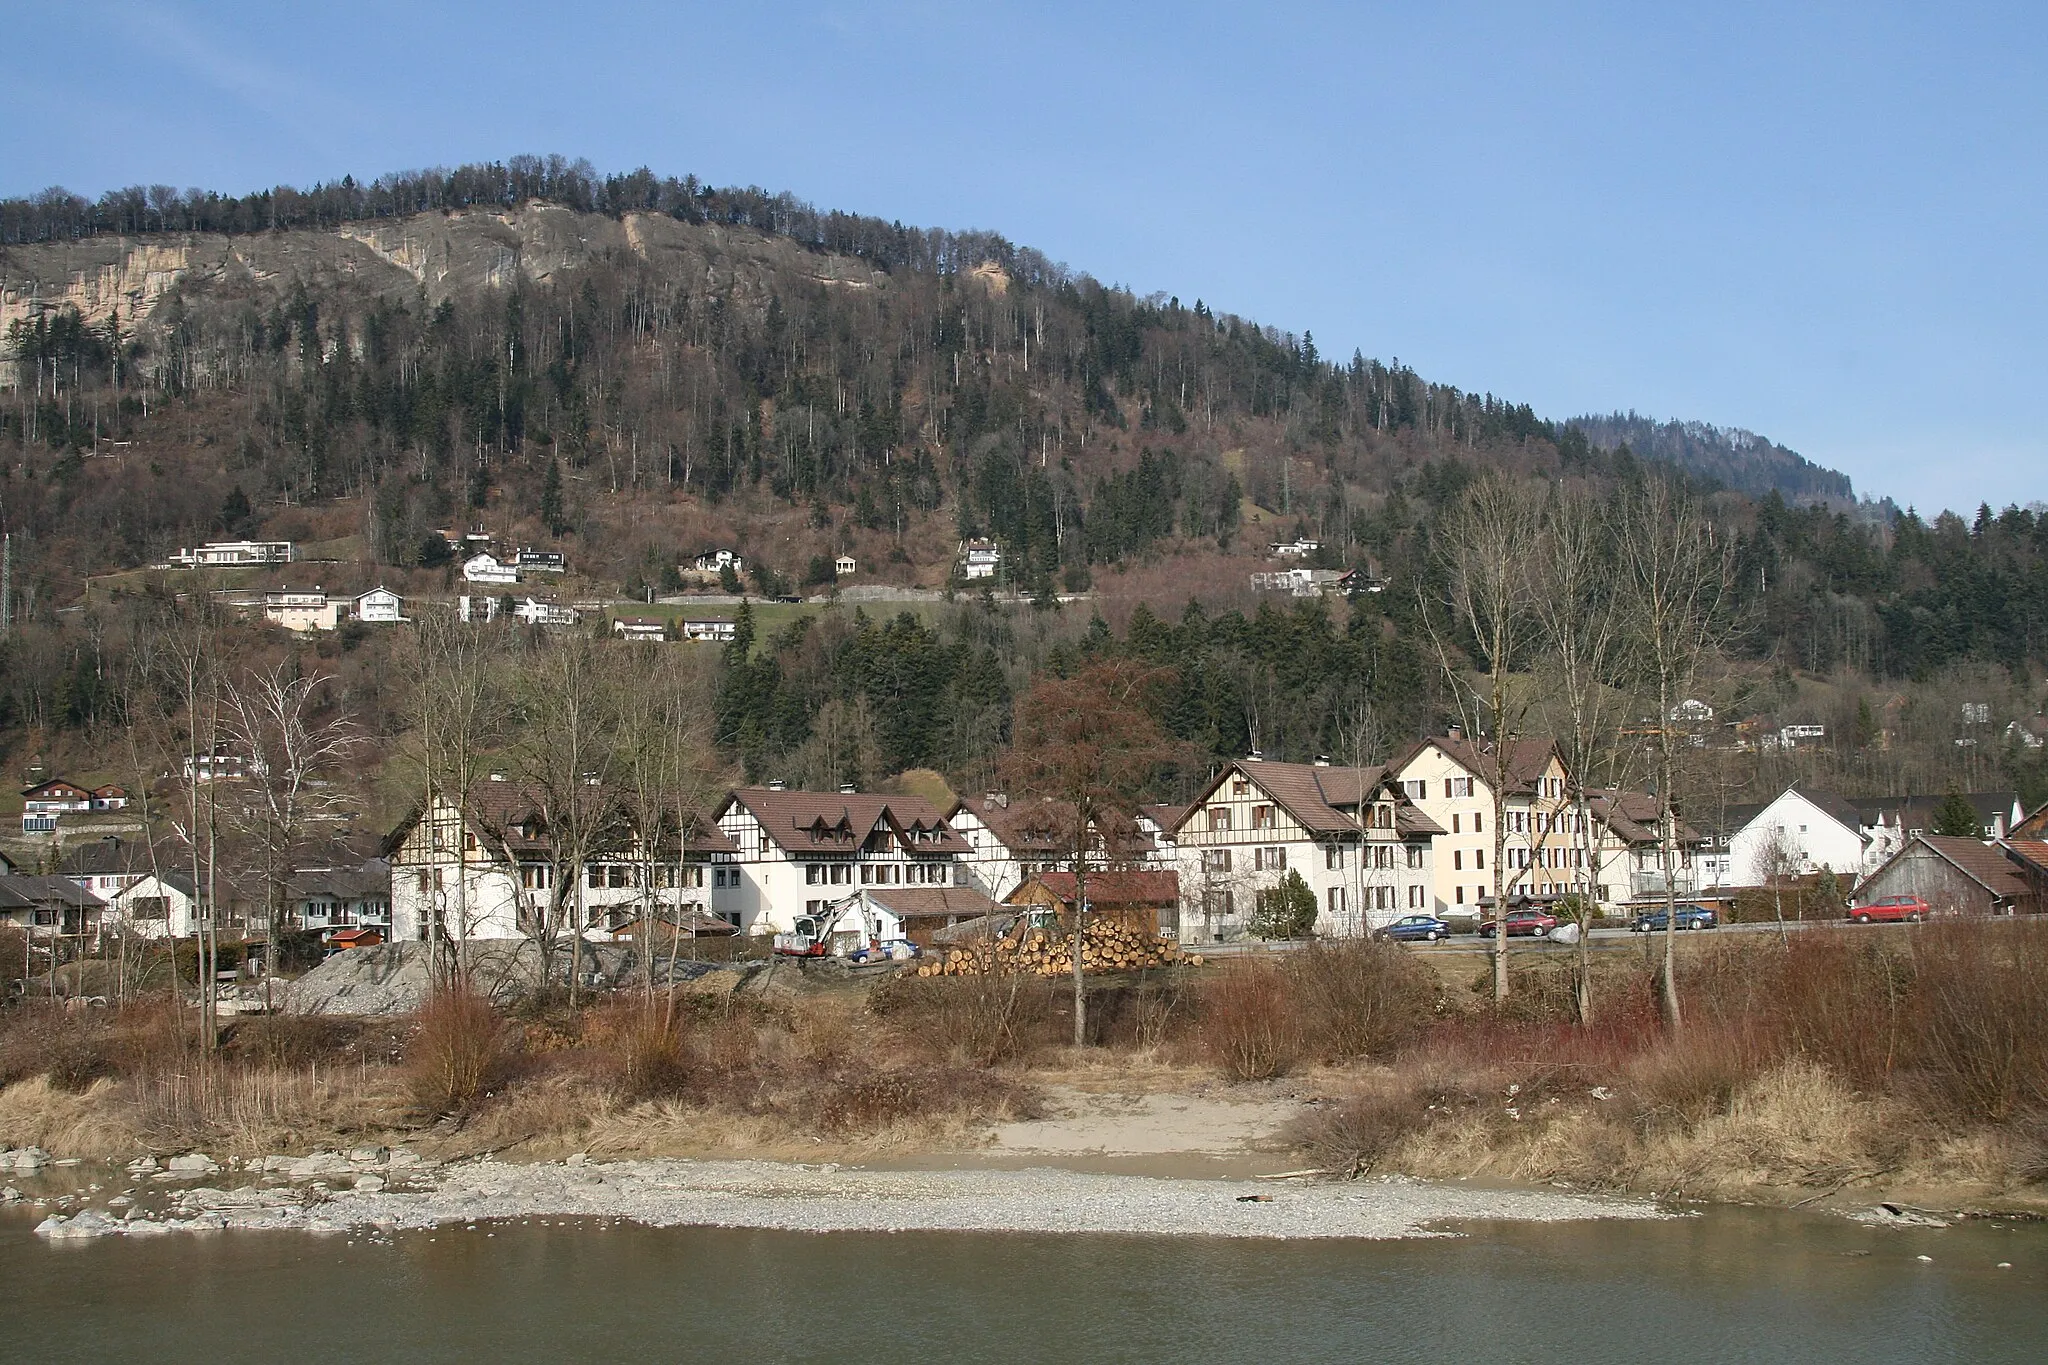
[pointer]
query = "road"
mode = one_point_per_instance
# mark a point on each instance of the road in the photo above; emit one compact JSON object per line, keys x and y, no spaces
{"x":1603,"y":940}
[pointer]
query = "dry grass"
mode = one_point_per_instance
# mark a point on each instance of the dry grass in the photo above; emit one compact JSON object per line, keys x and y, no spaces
{"x":1249,"y":1026}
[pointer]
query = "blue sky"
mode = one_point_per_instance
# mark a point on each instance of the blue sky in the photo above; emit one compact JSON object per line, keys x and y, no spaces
{"x":1822,"y":222}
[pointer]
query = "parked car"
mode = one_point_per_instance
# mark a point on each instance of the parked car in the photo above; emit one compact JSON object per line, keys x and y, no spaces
{"x":1530,"y":923}
{"x":1427,"y":928}
{"x":1891,"y":910}
{"x":1689,"y":917}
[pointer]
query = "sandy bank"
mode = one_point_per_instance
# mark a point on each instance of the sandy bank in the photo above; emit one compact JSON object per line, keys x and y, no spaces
{"x":828,"y":1198}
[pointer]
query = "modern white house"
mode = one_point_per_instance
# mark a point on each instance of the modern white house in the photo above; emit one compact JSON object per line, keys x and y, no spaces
{"x":798,"y":851}
{"x":160,"y":904}
{"x":1799,"y":833}
{"x":225,"y":554}
{"x":1361,"y":846}
{"x":711,"y":630}
{"x":530,"y":560}
{"x":1449,"y":779}
{"x":979,"y":559}
{"x":651,"y":628}
{"x":536,"y":612}
{"x":479,"y":610}
{"x":335,"y":900}
{"x":485,"y":568}
{"x":379,"y":606}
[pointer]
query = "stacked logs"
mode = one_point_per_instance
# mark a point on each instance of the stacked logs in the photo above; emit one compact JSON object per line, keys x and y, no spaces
{"x":1106,"y":947}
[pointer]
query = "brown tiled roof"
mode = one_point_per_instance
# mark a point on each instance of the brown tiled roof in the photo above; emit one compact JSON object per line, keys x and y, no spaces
{"x":1311,"y":793}
{"x":1167,"y":817}
{"x":510,"y":815}
{"x":920,"y":902}
{"x":1112,"y":888}
{"x":1980,"y":862}
{"x":2035,"y":825}
{"x":840,"y":822}
{"x":1041,"y":827}
{"x":1634,"y":816}
{"x":2033,"y":852}
{"x":1526,"y":759}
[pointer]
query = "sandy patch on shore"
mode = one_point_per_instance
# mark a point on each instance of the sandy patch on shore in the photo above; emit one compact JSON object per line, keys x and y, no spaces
{"x":830,"y":1198}
{"x":1126,"y":1123}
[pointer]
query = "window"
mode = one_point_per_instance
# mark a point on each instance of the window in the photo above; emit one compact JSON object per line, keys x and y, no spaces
{"x":1414,"y":855}
{"x":1336,"y":900}
{"x":1479,"y":859}
{"x":1240,"y":787}
{"x":1460,"y":892}
{"x":1333,"y":857}
{"x":46,"y":917}
{"x":1262,"y":817}
{"x":1415,"y":894}
{"x":814,"y":873}
{"x":1416,"y":790}
{"x":1215,"y":860}
{"x":1457,"y":860}
{"x":1219,"y":817}
{"x":1456,"y":827}
{"x":867,"y":874}
{"x":1478,"y":823}
{"x":842,"y":874}
{"x":1270,"y":859}
{"x":150,"y":907}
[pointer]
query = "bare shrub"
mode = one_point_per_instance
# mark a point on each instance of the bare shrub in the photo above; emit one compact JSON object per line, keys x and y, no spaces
{"x":985,"y":1018}
{"x":457,"y":1052}
{"x":1248,"y":1024}
{"x":862,"y":1100}
{"x":1359,"y":997}
{"x":1979,"y":1017}
{"x":292,"y":1040}
{"x":641,"y":1046}
{"x":1690,"y":1078}
{"x":1357,"y":1133}
{"x":73,"y":1048}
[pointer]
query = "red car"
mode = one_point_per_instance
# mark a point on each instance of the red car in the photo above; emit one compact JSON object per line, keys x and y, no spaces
{"x":1891,"y":910}
{"x":1533,"y":923}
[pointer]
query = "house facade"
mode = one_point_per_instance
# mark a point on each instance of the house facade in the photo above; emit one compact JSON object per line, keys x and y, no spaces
{"x":1954,"y":876}
{"x":226,"y":554}
{"x":1801,"y":832}
{"x":711,"y":631}
{"x":798,"y":851}
{"x":1628,"y":850}
{"x":640,"y":628}
{"x":379,"y":607}
{"x":1010,"y":842}
{"x":536,"y":612}
{"x":979,"y":559}
{"x":1359,"y":844}
{"x":489,"y":873}
{"x":530,"y":560}
{"x":1449,"y":778}
{"x":160,"y":904}
{"x":485,"y":568}
{"x":334,"y":900}
{"x":49,"y":907}
{"x":300,"y":610}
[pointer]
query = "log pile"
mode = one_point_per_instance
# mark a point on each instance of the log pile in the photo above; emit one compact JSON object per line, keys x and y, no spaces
{"x":1107,"y":947}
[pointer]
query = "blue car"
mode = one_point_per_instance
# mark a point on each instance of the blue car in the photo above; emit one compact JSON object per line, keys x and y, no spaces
{"x":1689,"y":917}
{"x":1425,"y":928}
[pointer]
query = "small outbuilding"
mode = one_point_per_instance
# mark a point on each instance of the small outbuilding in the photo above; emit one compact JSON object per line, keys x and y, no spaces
{"x":1148,"y":901}
{"x":1954,"y":876}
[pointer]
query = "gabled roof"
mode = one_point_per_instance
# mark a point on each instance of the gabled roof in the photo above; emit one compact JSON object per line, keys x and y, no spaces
{"x":1835,"y":807}
{"x":1980,"y":862}
{"x":1041,"y":828}
{"x":1166,"y":816}
{"x":1110,"y":888}
{"x":915,"y":902}
{"x":111,"y":856}
{"x":49,"y":782}
{"x":1323,"y":799}
{"x":2031,"y":853}
{"x":511,"y":817}
{"x":1917,"y":811}
{"x":1527,"y":759}
{"x":801,"y":822}
{"x":370,"y":880}
{"x":21,"y":893}
{"x":2035,"y":826}
{"x":1634,"y":816}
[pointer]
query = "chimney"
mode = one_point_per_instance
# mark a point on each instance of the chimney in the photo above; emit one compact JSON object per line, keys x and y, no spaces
{"x":1322,"y":760}
{"x":848,"y":788}
{"x":1454,"y":732}
{"x":497,"y":777}
{"x":776,"y":784}
{"x":1258,"y":755}
{"x":1000,"y":800}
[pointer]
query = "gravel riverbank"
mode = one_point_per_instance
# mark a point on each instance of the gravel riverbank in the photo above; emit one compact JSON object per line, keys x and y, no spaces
{"x":826,"y":1198}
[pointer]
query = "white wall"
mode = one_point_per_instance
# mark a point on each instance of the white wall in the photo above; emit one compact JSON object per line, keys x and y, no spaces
{"x":1815,"y":838}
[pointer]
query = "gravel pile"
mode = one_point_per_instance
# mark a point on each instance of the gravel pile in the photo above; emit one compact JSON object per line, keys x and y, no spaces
{"x":758,"y":1194}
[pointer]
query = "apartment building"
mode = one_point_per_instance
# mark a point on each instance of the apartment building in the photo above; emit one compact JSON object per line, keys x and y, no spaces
{"x":1450,"y":779}
{"x":1011,"y":842}
{"x":1361,"y":846}
{"x":798,"y":851}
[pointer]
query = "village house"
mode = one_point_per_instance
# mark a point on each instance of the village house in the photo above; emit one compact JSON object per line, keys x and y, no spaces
{"x":640,"y":628}
{"x":530,"y":560}
{"x":717,"y":561}
{"x":1147,"y":901}
{"x":159,"y":904}
{"x":1801,"y":832}
{"x":379,"y":607}
{"x":1295,"y":549}
{"x":1887,"y":823}
{"x":489,"y":872}
{"x":106,"y":866}
{"x":333,"y":900}
{"x":1009,"y":843}
{"x":1628,"y":850}
{"x":485,"y":568}
{"x":225,"y":554}
{"x":711,"y":630}
{"x":223,"y":764}
{"x":1450,"y":778}
{"x":539,"y":612}
{"x":300,"y":610}
{"x":45,"y":801}
{"x":1361,"y":846}
{"x":478,"y":610}
{"x":1954,"y":876}
{"x":922,"y":912}
{"x":979,"y":559}
{"x":49,"y":907}
{"x":799,"y":851}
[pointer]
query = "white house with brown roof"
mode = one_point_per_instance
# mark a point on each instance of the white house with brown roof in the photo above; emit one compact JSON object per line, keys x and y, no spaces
{"x":1357,"y":841}
{"x":1803,"y":831}
{"x":1012,"y":841}
{"x":797,"y":851}
{"x":1628,"y":849}
{"x":1450,"y":778}
{"x":489,"y":872}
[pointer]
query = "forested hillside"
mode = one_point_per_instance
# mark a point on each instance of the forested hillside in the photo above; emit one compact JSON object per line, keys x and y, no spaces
{"x":633,"y":369}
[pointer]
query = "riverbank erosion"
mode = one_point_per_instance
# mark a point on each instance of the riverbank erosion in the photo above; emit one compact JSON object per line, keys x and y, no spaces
{"x":830,"y":1198}
{"x":1839,"y":1068}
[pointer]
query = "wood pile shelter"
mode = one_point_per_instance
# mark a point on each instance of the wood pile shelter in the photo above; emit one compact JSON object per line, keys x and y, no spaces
{"x":1954,"y":876}
{"x":925,"y":911}
{"x":1146,"y":900}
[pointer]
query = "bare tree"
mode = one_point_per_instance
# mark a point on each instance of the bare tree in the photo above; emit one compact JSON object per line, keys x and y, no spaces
{"x":1485,"y":632}
{"x":1676,"y":571}
{"x":669,"y":777}
{"x":567,"y":757}
{"x":1584,"y":643}
{"x":1086,"y":746}
{"x":274,"y":719}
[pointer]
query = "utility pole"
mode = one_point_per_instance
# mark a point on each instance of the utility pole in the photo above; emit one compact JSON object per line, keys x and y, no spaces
{"x":6,"y":584}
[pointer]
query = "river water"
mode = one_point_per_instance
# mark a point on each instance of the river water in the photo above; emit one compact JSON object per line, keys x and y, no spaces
{"x":1730,"y":1285}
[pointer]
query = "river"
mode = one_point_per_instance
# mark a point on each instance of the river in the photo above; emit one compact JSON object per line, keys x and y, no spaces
{"x":1728,"y":1285}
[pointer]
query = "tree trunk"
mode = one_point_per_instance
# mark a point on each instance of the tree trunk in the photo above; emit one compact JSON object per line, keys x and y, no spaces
{"x":1080,"y":984}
